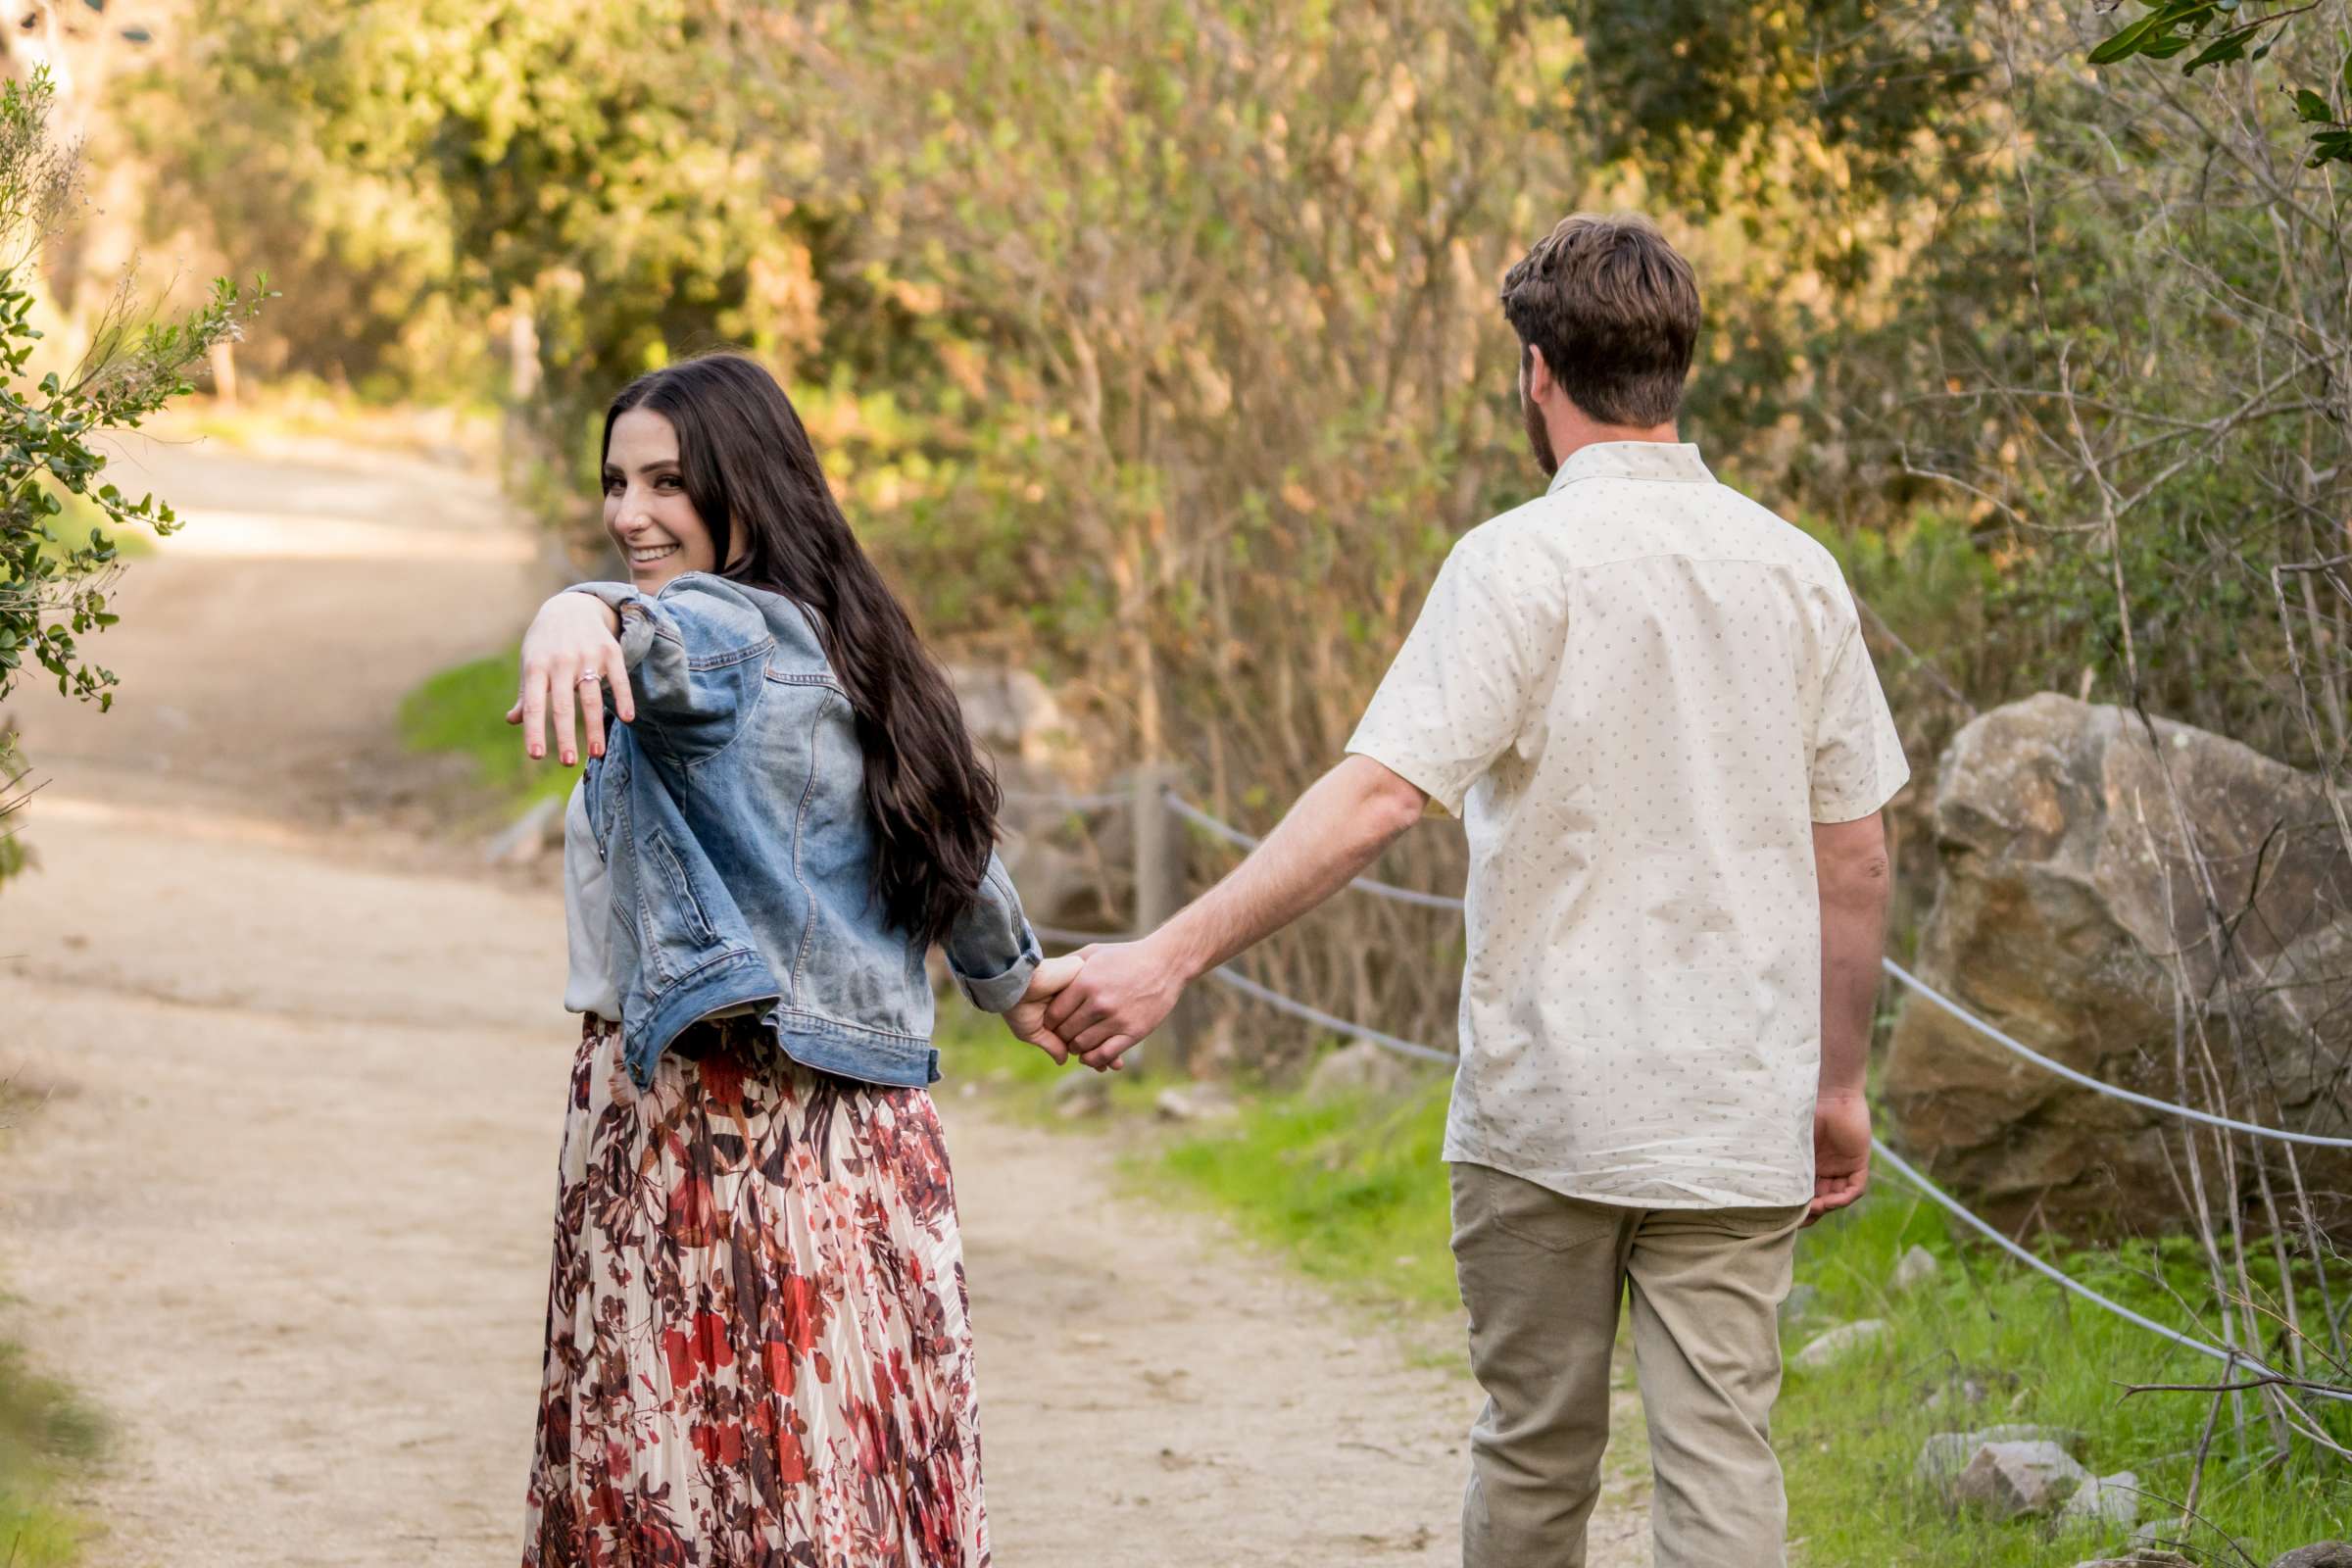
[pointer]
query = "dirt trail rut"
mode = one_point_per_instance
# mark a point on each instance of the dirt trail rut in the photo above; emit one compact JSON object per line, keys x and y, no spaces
{"x":282,"y":1208}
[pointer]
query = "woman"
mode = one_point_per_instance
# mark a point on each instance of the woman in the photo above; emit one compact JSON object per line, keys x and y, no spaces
{"x":756,"y":1342}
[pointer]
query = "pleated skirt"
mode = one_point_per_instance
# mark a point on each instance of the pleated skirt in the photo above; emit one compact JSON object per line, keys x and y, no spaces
{"x":759,"y":1350}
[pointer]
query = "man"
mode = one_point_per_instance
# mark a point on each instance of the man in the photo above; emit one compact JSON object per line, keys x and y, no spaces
{"x":1648,"y":700}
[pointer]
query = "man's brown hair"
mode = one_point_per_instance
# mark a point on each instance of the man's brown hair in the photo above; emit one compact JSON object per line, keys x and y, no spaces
{"x":1615,"y":310}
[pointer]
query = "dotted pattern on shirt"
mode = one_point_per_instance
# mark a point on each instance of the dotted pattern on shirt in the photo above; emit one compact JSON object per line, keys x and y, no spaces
{"x":1639,"y":692}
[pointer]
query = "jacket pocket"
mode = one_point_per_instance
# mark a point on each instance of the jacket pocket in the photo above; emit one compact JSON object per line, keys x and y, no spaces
{"x":678,"y":889}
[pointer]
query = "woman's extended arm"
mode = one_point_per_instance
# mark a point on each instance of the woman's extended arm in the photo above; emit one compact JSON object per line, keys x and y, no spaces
{"x":573,"y":648}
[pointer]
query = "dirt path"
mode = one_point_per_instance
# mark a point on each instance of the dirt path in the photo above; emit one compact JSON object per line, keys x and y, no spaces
{"x":282,"y":1212}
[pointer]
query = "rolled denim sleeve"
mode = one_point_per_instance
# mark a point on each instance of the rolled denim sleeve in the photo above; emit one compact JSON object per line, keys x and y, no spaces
{"x":992,"y":950}
{"x":682,"y":649}
{"x":644,"y":626}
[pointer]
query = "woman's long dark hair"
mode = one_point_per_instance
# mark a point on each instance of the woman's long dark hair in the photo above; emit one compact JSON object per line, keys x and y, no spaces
{"x":752,"y":473}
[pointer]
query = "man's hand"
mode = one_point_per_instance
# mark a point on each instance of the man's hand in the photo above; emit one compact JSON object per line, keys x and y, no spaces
{"x":1125,"y":991}
{"x":1840,"y":1152}
{"x":1027,"y":1017}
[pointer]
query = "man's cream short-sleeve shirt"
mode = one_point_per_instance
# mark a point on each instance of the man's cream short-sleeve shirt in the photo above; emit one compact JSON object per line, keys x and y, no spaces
{"x":1639,"y":693}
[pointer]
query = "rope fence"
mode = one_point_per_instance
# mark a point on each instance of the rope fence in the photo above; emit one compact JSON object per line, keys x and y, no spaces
{"x":2071,"y":1075}
{"x":1986,"y":1229}
{"x":1300,"y":1009}
{"x":1235,"y":836}
{"x":1363,"y":884}
{"x":1063,"y":803}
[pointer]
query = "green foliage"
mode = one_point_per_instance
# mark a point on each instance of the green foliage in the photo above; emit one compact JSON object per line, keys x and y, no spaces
{"x":53,"y":592}
{"x":2231,"y":33}
{"x":461,"y":710}
{"x":1156,"y":347}
{"x":1845,"y":112}
{"x":420,"y":172}
{"x":15,"y":856}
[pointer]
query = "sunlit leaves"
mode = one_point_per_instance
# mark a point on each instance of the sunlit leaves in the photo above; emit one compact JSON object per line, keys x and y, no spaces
{"x":53,"y":592}
{"x":2229,"y":33}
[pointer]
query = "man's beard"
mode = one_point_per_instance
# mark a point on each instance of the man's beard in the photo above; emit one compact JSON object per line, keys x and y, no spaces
{"x":1538,"y":435}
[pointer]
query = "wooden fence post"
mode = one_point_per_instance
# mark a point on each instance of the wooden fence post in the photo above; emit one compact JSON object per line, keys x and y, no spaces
{"x":1159,"y":891}
{"x":224,"y":363}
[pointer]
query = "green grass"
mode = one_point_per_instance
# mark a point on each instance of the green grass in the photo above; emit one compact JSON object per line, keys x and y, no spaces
{"x":1849,"y":1437}
{"x":1355,"y":1194}
{"x":462,"y":709}
{"x":44,"y":1432}
{"x":1351,"y":1189}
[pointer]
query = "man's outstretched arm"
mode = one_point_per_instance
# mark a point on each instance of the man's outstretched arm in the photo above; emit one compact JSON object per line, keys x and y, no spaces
{"x":1337,"y":828}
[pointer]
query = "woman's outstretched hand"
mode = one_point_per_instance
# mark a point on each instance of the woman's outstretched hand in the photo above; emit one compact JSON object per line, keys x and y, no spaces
{"x":572,"y":649}
{"x":1027,"y":1017}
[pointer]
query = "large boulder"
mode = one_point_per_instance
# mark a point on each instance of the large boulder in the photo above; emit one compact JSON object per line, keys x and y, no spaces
{"x":2068,"y":898}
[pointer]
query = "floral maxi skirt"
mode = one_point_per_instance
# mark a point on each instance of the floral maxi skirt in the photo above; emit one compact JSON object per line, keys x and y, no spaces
{"x":758,"y":1348}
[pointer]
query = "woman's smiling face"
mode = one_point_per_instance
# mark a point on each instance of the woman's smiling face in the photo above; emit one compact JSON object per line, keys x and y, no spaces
{"x":646,"y":506}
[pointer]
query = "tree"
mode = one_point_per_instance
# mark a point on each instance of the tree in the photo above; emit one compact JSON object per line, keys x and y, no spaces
{"x":53,"y":589}
{"x":427,"y":174}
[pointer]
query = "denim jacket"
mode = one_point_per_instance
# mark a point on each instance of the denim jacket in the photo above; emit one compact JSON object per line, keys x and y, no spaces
{"x":731,"y":814}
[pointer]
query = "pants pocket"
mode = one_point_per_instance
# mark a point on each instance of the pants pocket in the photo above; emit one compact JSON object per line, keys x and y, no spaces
{"x":1526,"y":1212}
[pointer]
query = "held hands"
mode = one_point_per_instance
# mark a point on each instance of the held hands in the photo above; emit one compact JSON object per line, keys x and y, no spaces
{"x":1125,"y":991}
{"x":1097,"y":1003}
{"x":1840,"y":1152}
{"x":1027,"y":1017}
{"x":572,"y":651}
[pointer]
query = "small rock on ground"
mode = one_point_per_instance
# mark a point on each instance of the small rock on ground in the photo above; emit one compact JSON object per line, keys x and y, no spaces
{"x":2103,"y":1502}
{"x":1835,"y":1344}
{"x":538,"y":829}
{"x":1945,"y":1455}
{"x":1081,"y":1094}
{"x":2010,"y":1479}
{"x":1195,"y":1103}
{"x":1918,"y":1266}
{"x":2319,"y":1554}
{"x":1362,"y":1068}
{"x":1967,"y":1391}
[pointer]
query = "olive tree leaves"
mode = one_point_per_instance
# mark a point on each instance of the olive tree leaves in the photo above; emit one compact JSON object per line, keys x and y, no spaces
{"x":2229,"y":32}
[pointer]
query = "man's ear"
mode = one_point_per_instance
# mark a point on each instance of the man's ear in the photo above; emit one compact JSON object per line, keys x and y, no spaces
{"x":1538,"y":375}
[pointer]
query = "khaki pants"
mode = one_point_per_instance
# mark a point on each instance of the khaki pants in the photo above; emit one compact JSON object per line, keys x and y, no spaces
{"x":1542,"y":1276}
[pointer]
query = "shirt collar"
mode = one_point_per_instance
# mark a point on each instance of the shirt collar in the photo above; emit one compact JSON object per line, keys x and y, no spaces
{"x":1673,"y":460}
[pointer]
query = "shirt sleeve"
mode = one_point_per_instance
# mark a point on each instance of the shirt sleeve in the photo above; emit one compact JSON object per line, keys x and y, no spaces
{"x":1459,"y":691}
{"x":1858,"y":762}
{"x":992,"y":950}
